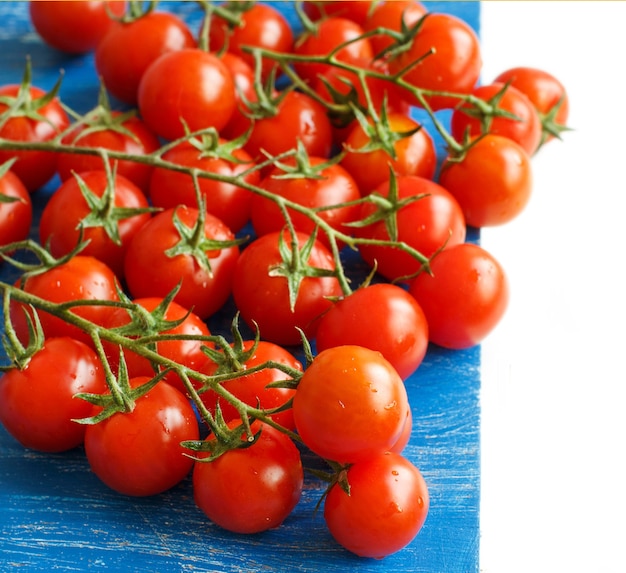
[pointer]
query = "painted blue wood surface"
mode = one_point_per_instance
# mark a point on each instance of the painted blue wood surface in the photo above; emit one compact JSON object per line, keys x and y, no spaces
{"x":56,"y":516}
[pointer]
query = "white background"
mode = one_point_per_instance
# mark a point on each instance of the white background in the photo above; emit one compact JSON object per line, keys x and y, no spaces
{"x":553,"y":397}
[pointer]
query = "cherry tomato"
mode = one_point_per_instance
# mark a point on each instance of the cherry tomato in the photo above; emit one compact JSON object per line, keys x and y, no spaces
{"x":251,"y":489}
{"x":386,"y":509}
{"x":138,"y":141}
{"x":185,"y":352}
{"x":80,"y":278}
{"x":16,"y":209}
{"x":383,"y":317}
{"x":453,"y":66}
{"x":186,"y":88}
{"x":68,"y":211}
{"x":139,"y":453}
{"x":37,"y":403}
{"x":253,"y":388}
{"x":166,"y":252}
{"x":429,"y":223}
{"x":492,"y":181}
{"x":350,"y":404}
{"x":326,"y":186}
{"x":35,"y":120}
{"x":525,"y":129}
{"x":330,"y":33}
{"x":392,"y":15}
{"x":465,"y":297}
{"x":262,"y":294}
{"x":259,"y":26}
{"x":229,"y":203}
{"x":545,"y":92}
{"x":356,"y":10}
{"x":405,"y":436}
{"x":73,"y":27}
{"x":414,"y":154}
{"x":126,"y":51}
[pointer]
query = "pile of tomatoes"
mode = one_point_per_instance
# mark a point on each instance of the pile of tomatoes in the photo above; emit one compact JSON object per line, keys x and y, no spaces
{"x":247,"y":161}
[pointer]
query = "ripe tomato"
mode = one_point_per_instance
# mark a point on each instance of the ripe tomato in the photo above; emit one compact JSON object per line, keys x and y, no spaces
{"x":454,"y":65}
{"x":73,"y":27}
{"x":382,"y":317}
{"x":350,"y":404}
{"x":545,"y":92}
{"x":328,"y":34}
{"x":465,"y":297}
{"x":492,"y":181}
{"x":34,"y":120}
{"x":392,"y":15}
{"x":139,"y":453}
{"x":387,"y":506}
{"x":427,"y":224}
{"x":253,"y":388}
{"x":80,"y":278}
{"x":253,"y":488}
{"x":259,"y":26}
{"x":127,"y":49}
{"x":37,"y":403}
{"x":168,"y":251}
{"x":325,"y":187}
{"x":191,"y":88}
{"x":98,"y":212}
{"x":262,"y":292}
{"x":16,"y":209}
{"x":229,"y":203}
{"x":356,"y":10}
{"x":139,"y":141}
{"x":185,"y":352}
{"x":414,"y":154}
{"x":525,"y":129}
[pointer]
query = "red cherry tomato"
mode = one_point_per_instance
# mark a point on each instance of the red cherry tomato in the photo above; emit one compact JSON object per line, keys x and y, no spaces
{"x":127,"y":50}
{"x":251,"y":489}
{"x":387,"y":506}
{"x":139,"y":453}
{"x":356,"y":10}
{"x":73,"y":27}
{"x":350,"y":404}
{"x":465,"y":297}
{"x":37,"y":403}
{"x":16,"y":209}
{"x":392,"y":15}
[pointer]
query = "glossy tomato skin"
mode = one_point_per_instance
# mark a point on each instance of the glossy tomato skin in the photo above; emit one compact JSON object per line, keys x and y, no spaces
{"x":16,"y":209}
{"x":454,"y":66}
{"x":355,"y":10}
{"x":80,"y":278}
{"x":187,"y":87}
{"x":149,"y":271}
{"x":383,"y":317}
{"x":525,"y":130}
{"x":386,"y":509}
{"x":465,"y":297}
{"x":229,"y":203}
{"x":263,"y":299}
{"x":260,"y":26}
{"x":141,"y":141}
{"x":415,"y":154}
{"x":252,"y":489}
{"x":34,"y":168}
{"x":253,"y":388}
{"x":67,"y":208}
{"x":73,"y":27}
{"x":428,"y":224}
{"x":492,"y":182}
{"x":185,"y":352}
{"x":139,"y":453}
{"x":350,"y":404}
{"x":391,"y":15}
{"x":330,"y":186}
{"x":37,"y":403}
{"x":127,"y":50}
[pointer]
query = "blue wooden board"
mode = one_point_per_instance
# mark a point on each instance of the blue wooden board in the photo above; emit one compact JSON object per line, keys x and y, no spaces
{"x":55,"y":515}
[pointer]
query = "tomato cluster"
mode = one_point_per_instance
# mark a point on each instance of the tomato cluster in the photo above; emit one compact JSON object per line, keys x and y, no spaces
{"x":260,"y":158}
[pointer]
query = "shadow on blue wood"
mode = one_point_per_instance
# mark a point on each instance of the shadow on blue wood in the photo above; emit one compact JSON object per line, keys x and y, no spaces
{"x":56,"y":515}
